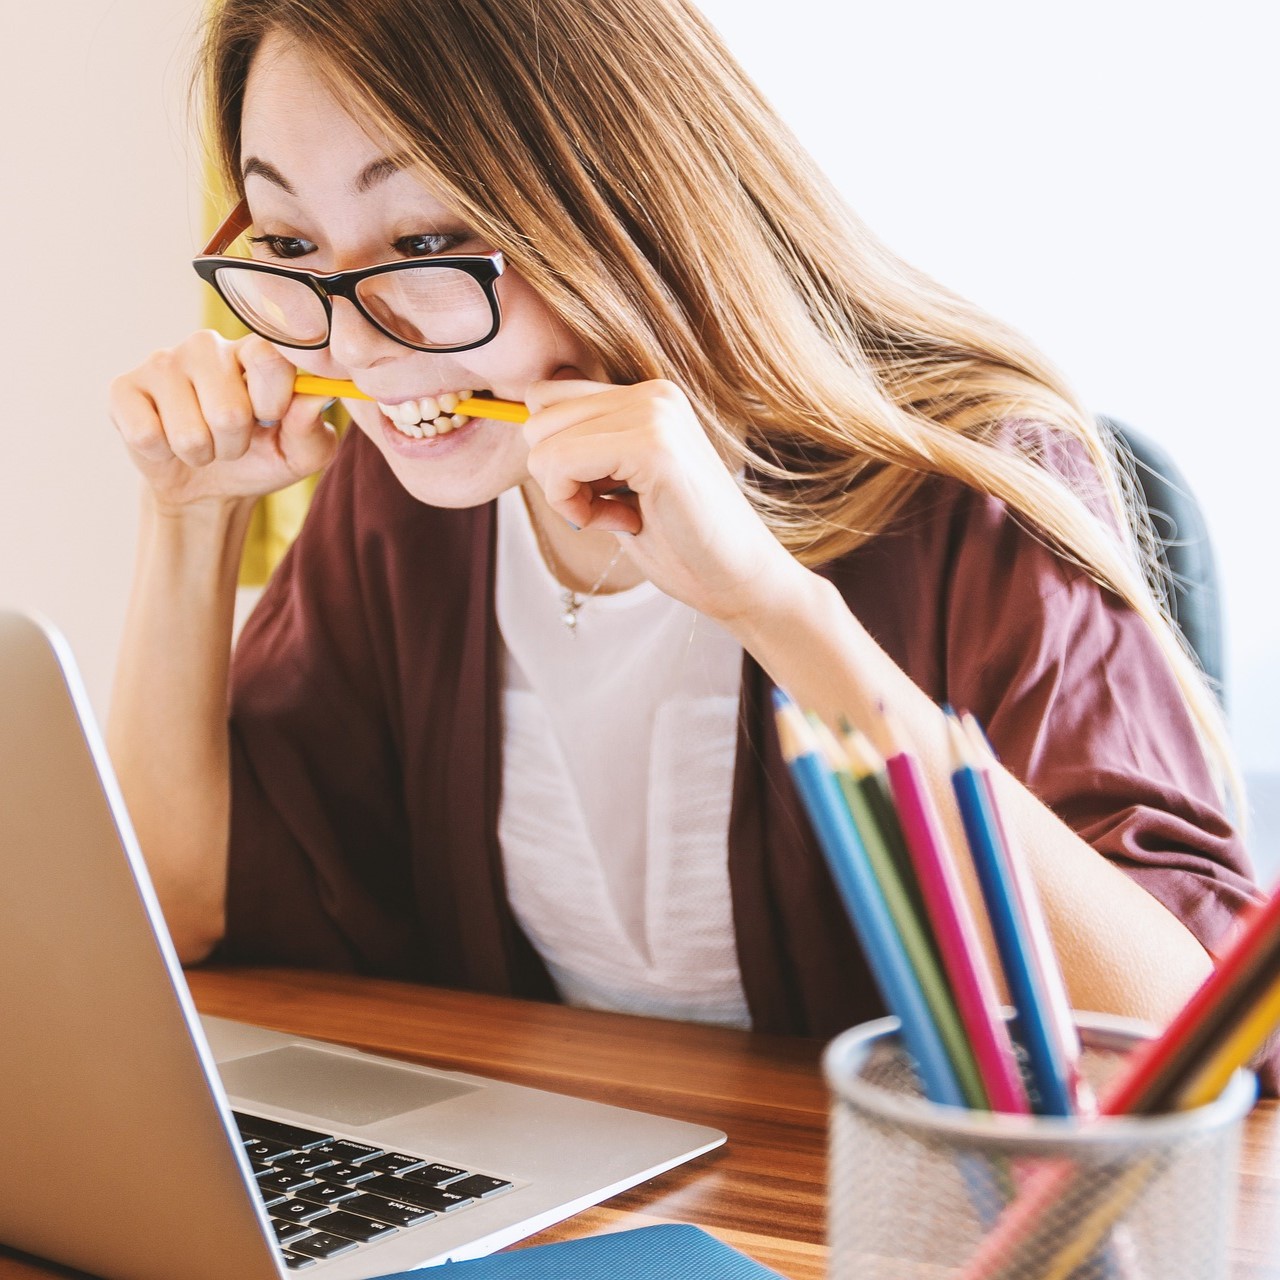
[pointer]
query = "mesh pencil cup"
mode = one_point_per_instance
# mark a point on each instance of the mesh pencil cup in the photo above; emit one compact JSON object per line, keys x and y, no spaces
{"x":919,"y":1191}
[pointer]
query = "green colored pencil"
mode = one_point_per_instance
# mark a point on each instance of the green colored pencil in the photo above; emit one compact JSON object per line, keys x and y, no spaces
{"x":909,"y":921}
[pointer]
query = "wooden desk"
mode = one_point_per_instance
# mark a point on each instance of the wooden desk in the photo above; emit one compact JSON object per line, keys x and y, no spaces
{"x":762,"y":1192}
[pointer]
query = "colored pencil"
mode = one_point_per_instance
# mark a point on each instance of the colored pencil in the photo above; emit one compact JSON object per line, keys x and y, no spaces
{"x":953,"y":925}
{"x":1103,"y":1202}
{"x":1057,"y":1018}
{"x":1159,"y":1069}
{"x":867,"y":766}
{"x":1251,"y":1032}
{"x":916,"y":942}
{"x":1048,"y":1065}
{"x":495,"y":410}
{"x":1041,"y":955}
{"x":850,"y":870}
{"x":1223,"y":1024}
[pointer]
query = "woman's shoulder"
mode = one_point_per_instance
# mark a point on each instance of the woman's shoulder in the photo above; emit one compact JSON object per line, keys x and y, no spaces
{"x":954,"y":553}
{"x":946,"y":514}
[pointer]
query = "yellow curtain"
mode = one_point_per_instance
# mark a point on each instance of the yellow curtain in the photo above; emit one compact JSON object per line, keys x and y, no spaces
{"x":278,"y":516}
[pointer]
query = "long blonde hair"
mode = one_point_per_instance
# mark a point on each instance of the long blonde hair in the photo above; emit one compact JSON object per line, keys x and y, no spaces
{"x":631,"y":172}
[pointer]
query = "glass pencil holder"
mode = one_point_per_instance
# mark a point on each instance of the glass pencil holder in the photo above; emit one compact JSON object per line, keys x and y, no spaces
{"x":918,"y":1191}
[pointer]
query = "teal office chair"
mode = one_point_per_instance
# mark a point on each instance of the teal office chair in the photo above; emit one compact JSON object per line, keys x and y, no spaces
{"x":1183,"y":543}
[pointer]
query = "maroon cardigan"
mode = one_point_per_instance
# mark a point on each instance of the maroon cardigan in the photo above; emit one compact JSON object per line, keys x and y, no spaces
{"x":366,"y":742}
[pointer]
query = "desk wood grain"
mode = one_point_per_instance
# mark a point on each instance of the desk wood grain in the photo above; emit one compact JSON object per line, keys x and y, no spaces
{"x":763,"y":1192}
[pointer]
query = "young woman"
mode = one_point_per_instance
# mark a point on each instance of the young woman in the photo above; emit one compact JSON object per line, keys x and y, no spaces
{"x":501,"y":720}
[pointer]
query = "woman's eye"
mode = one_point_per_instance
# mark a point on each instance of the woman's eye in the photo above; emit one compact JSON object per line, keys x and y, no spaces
{"x":284,"y":246}
{"x":425,"y":246}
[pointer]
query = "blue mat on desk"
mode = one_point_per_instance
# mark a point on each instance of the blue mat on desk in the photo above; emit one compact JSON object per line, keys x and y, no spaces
{"x":644,"y":1253}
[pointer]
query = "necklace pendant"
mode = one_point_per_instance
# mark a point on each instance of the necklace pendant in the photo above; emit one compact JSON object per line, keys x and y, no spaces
{"x":569,"y":615}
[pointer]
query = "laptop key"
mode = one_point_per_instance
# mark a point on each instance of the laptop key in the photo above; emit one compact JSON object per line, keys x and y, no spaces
{"x":292,"y":1135}
{"x":479,"y":1185}
{"x":415,"y":1193}
{"x":296,"y":1261}
{"x":353,"y":1227}
{"x":436,"y":1175}
{"x":322,"y":1245}
{"x":284,"y":1180}
{"x":346,"y":1174}
{"x":397,"y":1212}
{"x":297,"y":1211}
{"x":286,"y":1231}
{"x":269,"y":1198}
{"x":347,"y":1150}
{"x":304,"y":1162}
{"x":393,"y":1162}
{"x":325,"y":1193}
{"x":265,"y":1149}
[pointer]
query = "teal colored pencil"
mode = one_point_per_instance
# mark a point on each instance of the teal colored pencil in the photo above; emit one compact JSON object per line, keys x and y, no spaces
{"x":907,"y":919}
{"x":842,"y":847}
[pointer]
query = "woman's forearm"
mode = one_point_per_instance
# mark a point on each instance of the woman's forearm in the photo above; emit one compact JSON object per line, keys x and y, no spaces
{"x":1121,"y":950}
{"x":167,"y":730}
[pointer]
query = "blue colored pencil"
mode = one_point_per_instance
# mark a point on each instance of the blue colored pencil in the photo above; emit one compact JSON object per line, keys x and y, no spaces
{"x":1045,"y":961}
{"x":1050,"y":1072}
{"x":847,"y":860}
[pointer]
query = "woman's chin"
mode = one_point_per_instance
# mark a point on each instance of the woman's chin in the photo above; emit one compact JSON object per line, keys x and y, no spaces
{"x":465,"y":467}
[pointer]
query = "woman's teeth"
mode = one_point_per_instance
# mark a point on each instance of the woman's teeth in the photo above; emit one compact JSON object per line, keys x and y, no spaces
{"x":427,"y":417}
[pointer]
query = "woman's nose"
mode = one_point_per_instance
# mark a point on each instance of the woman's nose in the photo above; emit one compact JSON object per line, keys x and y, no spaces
{"x":354,"y":342}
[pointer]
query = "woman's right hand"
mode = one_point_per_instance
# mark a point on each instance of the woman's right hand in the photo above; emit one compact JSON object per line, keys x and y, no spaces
{"x":214,"y":420}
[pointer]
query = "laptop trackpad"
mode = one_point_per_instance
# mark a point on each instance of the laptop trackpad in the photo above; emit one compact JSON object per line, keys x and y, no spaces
{"x":343,"y":1090}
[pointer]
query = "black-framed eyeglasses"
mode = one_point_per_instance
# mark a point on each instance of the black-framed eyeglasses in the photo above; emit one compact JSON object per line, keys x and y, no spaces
{"x":441,"y":304}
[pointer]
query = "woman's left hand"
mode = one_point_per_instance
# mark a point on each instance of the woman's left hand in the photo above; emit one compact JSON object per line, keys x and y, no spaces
{"x":695,"y":534}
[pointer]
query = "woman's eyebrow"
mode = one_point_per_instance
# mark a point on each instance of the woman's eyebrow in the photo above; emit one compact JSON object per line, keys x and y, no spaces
{"x":262,"y":169}
{"x":378,"y":171}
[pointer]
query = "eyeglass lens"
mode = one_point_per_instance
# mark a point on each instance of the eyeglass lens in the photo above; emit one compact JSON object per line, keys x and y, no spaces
{"x":428,"y":307}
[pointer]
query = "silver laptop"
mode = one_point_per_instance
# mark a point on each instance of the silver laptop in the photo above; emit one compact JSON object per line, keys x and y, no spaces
{"x":141,"y":1142}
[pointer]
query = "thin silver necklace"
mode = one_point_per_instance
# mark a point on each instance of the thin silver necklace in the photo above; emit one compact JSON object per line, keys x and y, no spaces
{"x":570,"y":601}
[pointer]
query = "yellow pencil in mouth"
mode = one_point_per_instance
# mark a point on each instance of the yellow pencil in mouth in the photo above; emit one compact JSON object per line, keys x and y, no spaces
{"x":307,"y":384}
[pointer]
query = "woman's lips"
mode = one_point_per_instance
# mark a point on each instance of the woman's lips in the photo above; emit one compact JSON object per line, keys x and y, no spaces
{"x":436,"y":446}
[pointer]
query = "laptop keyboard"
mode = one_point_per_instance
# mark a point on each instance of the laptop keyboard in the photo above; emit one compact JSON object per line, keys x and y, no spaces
{"x":326,"y":1195}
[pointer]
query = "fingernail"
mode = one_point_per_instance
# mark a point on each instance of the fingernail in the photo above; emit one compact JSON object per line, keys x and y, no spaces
{"x":263,"y":422}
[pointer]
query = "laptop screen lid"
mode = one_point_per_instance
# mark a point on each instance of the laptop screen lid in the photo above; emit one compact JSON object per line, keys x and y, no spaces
{"x":117,"y":1158}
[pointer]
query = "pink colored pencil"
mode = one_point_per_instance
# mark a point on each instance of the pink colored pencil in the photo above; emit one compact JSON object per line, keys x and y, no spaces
{"x":954,"y":929}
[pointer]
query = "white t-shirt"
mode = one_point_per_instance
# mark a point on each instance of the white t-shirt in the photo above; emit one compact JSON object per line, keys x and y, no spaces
{"x":618,"y":754}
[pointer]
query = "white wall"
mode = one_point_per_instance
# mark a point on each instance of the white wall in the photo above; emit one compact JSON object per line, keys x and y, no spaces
{"x":93,"y":152}
{"x":1100,"y":174}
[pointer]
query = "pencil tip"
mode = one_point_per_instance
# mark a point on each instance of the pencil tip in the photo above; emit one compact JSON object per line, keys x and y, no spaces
{"x":864,"y":759}
{"x":978,"y":739}
{"x":889,"y":739}
{"x":794,"y":736}
{"x":827,"y":742}
{"x":960,"y":753}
